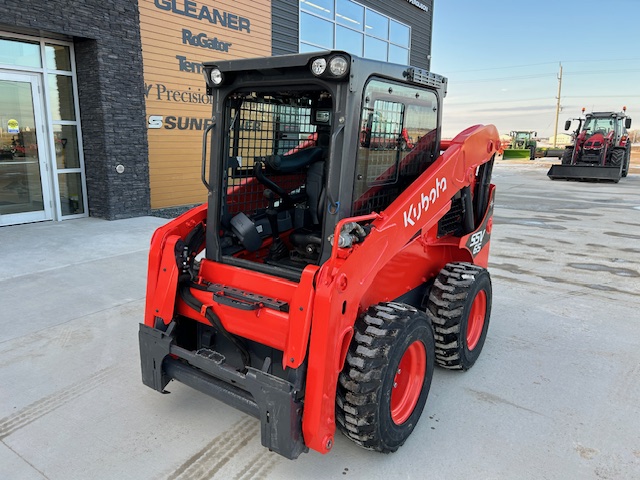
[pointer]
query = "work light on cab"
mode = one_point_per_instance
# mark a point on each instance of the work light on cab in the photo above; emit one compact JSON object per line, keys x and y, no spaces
{"x":338,"y":66}
{"x":318,"y":66}
{"x":216,"y":76}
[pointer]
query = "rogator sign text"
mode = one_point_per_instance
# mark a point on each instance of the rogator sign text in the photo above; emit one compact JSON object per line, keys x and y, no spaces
{"x":199,"y":11}
{"x":202,"y":40}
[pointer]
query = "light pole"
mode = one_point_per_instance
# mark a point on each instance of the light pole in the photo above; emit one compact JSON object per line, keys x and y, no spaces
{"x":555,"y":130}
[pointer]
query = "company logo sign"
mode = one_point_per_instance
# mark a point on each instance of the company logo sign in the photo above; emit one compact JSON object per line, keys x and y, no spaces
{"x":171,"y":122}
{"x":205,"y":13}
{"x":159,"y":91}
{"x":185,"y":65}
{"x":418,"y":4}
{"x":427,"y":198}
{"x":202,"y":40}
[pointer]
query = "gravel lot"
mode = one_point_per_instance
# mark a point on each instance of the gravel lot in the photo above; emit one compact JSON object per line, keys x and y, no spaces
{"x":553,"y":396}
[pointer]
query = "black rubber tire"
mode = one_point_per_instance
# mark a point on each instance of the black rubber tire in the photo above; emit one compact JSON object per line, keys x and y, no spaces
{"x":363,"y":402}
{"x":449,"y":306}
{"x":627,"y":161}
{"x":566,"y":156}
{"x":617,"y":157}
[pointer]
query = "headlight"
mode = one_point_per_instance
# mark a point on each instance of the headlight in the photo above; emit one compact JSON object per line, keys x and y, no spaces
{"x":318,"y":66}
{"x":216,"y":76}
{"x":338,"y":66}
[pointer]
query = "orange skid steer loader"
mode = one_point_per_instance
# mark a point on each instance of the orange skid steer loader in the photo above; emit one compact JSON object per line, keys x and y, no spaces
{"x":341,"y":254}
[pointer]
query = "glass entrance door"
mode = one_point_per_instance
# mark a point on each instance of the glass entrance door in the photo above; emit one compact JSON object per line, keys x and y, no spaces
{"x":24,"y":184}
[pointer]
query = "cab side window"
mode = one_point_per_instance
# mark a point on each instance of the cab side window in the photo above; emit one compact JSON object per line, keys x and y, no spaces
{"x":398,"y":141}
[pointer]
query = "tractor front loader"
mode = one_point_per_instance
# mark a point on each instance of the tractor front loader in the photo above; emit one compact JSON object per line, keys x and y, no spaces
{"x":601,"y":150}
{"x":341,"y":255}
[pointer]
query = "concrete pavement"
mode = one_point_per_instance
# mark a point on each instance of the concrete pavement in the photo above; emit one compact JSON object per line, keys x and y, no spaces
{"x":554,"y":394}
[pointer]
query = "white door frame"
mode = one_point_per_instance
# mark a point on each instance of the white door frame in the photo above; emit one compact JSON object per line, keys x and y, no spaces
{"x":43,"y":151}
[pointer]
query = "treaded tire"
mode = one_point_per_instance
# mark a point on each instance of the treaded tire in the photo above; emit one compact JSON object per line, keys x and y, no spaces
{"x":566,"y":156}
{"x":617,"y":157}
{"x":384,"y":336}
{"x":459,"y":308}
{"x":627,"y":161}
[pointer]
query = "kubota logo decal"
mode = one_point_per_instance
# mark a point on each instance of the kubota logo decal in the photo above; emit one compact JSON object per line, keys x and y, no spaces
{"x":415,"y":211}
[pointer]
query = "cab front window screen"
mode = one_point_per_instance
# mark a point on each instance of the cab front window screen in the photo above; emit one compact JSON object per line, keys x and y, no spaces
{"x":261,"y":124}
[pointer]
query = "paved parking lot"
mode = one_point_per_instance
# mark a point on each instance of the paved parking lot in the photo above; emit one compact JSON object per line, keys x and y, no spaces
{"x":555,"y":394}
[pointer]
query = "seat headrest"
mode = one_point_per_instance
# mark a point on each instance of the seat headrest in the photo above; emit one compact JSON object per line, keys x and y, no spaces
{"x":295,"y":161}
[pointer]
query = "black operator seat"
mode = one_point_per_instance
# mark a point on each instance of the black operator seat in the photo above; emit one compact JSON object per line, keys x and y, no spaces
{"x":294,"y":161}
{"x":311,"y":157}
{"x":285,"y":164}
{"x":308,"y":239}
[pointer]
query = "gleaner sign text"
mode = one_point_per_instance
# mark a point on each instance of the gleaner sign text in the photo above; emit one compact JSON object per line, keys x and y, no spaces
{"x":192,"y":9}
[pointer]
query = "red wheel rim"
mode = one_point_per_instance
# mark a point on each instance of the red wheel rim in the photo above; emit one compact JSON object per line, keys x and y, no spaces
{"x":475,"y":323}
{"x":407,"y":383}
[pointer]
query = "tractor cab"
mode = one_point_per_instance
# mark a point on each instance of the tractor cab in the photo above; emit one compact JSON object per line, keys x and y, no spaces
{"x":602,"y":125}
{"x":521,"y":139}
{"x":608,"y":124}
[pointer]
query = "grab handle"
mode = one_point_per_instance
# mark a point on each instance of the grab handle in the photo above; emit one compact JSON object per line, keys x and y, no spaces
{"x":203,"y":172}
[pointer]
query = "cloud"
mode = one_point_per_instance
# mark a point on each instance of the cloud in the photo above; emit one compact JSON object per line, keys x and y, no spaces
{"x":515,"y":108}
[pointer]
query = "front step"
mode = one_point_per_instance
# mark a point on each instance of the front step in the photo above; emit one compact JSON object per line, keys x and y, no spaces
{"x":243,"y":300}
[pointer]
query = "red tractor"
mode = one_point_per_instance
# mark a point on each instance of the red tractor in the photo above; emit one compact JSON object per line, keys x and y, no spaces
{"x":601,"y":149}
{"x":330,"y":270}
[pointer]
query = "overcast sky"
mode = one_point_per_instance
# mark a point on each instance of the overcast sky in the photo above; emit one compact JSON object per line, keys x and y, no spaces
{"x":502,"y":60}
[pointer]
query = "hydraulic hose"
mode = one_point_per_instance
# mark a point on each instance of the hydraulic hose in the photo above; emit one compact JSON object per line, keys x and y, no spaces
{"x":193,"y":243}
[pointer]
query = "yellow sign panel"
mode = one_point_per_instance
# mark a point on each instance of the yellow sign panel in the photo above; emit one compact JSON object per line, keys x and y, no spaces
{"x":177,"y":36}
{"x":13,"y":126}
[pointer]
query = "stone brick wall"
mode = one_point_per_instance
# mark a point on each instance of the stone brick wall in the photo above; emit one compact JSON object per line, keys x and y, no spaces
{"x":106,"y":35}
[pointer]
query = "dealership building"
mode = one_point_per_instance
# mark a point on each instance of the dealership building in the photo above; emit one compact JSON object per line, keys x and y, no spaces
{"x":103,"y":103}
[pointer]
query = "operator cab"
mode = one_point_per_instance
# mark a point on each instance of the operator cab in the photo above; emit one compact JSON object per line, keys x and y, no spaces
{"x":300,"y":141}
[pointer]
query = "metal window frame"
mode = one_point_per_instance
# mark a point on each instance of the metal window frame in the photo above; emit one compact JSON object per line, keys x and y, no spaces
{"x":48,"y":121}
{"x":363,"y":31}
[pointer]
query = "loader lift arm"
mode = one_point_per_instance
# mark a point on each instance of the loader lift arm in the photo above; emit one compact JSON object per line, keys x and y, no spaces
{"x":342,"y":283}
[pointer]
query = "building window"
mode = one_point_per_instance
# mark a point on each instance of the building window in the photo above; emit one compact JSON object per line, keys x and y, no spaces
{"x":354,"y":28}
{"x":47,"y":138}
